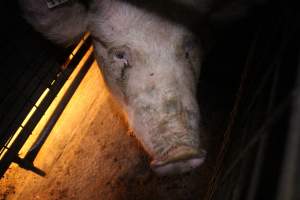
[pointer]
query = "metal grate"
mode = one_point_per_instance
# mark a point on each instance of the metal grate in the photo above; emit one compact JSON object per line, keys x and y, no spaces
{"x":250,"y":159}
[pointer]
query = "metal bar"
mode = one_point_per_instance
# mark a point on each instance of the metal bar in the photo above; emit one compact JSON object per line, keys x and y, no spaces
{"x":289,"y":180}
{"x":11,"y":155}
{"x":32,"y":153}
{"x":216,"y":177}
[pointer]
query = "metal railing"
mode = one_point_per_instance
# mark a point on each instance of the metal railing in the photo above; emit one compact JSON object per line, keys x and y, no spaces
{"x":13,"y":142}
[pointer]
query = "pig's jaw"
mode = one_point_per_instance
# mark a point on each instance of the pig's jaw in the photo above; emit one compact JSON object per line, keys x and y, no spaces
{"x":180,"y":160}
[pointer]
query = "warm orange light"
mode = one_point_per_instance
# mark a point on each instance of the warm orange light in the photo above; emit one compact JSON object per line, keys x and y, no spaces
{"x":12,"y":140}
{"x":29,"y":115}
{"x":39,"y":101}
{"x":72,"y":126}
{"x":80,"y":44}
{"x":3,"y":153}
{"x":31,"y":112}
{"x":52,"y":106}
{"x":76,"y":49}
{"x":43,"y":121}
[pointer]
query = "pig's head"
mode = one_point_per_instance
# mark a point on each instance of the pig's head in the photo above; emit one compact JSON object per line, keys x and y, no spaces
{"x":151,"y":65}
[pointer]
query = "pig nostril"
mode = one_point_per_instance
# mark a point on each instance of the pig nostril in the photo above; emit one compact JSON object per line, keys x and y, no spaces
{"x":151,"y":74}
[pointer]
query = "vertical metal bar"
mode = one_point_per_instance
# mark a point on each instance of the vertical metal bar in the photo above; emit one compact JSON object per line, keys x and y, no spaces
{"x":289,"y":180}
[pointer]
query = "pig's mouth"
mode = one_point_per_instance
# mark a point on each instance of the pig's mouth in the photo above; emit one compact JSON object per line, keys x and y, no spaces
{"x":179,"y":160}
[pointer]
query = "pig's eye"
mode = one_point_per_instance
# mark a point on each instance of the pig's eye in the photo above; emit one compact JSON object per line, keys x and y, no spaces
{"x":118,"y":63}
{"x":190,"y":47}
{"x":191,"y":54}
{"x":120,"y":55}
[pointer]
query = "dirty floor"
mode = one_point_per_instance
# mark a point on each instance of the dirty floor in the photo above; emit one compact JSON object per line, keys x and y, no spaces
{"x":91,"y":154}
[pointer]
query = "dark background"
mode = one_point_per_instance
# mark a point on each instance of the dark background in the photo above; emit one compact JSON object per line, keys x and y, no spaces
{"x":247,"y":92}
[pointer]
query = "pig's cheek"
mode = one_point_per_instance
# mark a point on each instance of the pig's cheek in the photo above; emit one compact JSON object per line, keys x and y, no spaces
{"x":117,"y":80}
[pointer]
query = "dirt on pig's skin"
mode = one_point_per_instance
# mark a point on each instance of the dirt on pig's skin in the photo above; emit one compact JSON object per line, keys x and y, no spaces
{"x":101,"y":160}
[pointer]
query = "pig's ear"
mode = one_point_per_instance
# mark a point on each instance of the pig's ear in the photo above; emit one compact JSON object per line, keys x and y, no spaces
{"x":62,"y":23}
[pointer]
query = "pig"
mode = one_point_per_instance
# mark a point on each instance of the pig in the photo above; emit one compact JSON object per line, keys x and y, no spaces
{"x":153,"y":73}
{"x":151,"y":65}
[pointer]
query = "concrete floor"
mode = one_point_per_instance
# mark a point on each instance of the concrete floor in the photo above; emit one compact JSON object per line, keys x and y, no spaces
{"x":90,"y":154}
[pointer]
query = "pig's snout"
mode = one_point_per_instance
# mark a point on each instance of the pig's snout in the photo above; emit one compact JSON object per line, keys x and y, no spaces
{"x":179,"y":161}
{"x":169,"y":130}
